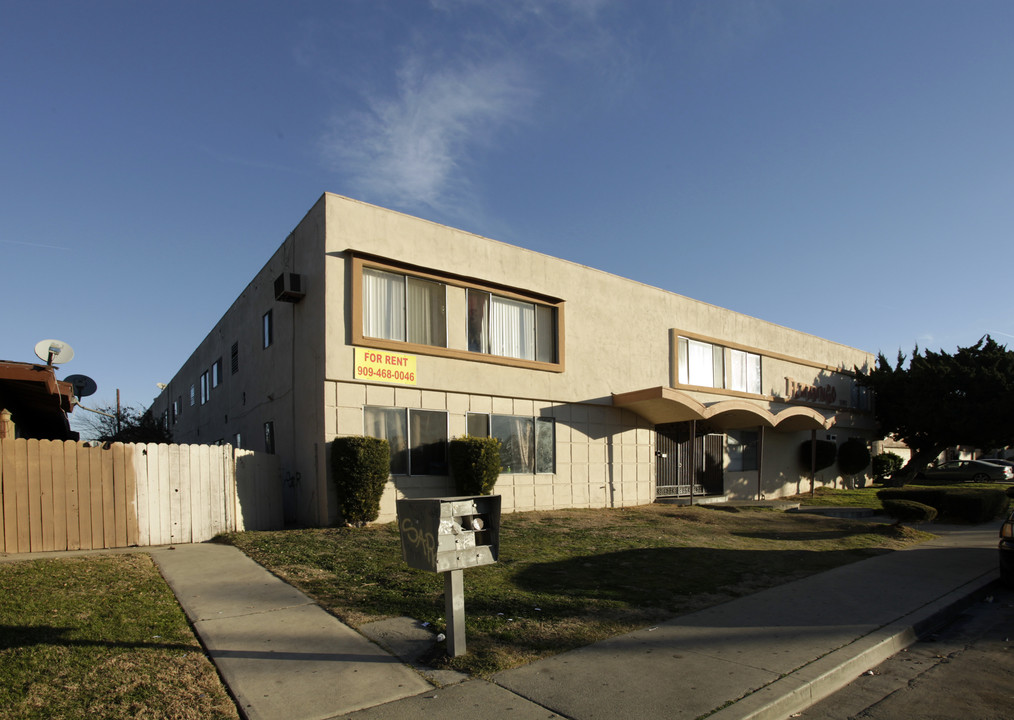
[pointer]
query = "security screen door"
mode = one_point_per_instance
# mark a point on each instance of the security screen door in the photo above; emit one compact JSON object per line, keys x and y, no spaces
{"x":678,"y":460}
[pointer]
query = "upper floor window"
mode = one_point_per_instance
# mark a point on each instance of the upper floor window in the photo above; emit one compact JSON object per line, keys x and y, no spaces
{"x":204,"y":387}
{"x":234,"y":358}
{"x":512,"y":328}
{"x":453,"y":316}
{"x":404,"y":307}
{"x":268,"y":329}
{"x":708,"y":365}
{"x":700,"y":363}
{"x":744,"y":372}
{"x":216,"y":373}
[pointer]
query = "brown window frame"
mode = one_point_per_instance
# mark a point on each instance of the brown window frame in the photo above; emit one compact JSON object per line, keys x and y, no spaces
{"x":359,"y":261}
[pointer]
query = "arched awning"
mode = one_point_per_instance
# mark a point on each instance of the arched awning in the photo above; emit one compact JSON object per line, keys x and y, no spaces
{"x":798,"y":418}
{"x":732,"y":414}
{"x":661,"y":405}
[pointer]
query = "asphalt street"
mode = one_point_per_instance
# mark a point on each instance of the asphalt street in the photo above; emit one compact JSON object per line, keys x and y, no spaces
{"x":965,"y":670}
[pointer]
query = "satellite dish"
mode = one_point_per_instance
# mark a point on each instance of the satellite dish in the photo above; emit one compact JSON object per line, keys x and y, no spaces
{"x":54,"y":352}
{"x":83,"y":385}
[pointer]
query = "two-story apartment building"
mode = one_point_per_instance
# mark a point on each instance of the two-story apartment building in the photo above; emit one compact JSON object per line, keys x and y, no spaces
{"x":604,"y":392}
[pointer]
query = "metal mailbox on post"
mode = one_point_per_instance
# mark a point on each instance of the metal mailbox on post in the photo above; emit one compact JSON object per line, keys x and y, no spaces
{"x":447,"y":535}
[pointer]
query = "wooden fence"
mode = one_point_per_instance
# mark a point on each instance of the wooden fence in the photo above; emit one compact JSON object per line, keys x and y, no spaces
{"x":65,"y":495}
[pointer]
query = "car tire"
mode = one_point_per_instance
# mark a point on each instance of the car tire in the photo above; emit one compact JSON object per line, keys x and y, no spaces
{"x":980,"y":477}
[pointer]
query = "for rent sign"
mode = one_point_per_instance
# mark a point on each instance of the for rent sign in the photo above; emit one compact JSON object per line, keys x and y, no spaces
{"x":384,"y":366}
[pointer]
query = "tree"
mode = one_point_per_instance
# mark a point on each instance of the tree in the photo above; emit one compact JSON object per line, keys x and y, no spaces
{"x":941,"y":400}
{"x":129,"y":425}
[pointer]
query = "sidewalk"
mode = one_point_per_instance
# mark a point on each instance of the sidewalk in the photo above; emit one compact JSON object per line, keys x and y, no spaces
{"x":765,"y":655}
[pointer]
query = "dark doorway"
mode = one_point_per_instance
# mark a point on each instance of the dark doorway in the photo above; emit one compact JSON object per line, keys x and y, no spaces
{"x":680,"y":460}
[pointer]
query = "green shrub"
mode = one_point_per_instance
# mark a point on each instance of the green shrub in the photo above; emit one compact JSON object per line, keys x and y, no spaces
{"x":926,"y":496}
{"x":826,"y":452}
{"x":909,"y":511}
{"x":853,"y":457}
{"x":974,"y":506}
{"x":361,"y":468}
{"x":475,"y":464}
{"x":886,"y":463}
{"x":968,"y":506}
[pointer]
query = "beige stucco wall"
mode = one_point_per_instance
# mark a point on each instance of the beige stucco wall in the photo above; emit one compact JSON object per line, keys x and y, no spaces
{"x":618,"y":338}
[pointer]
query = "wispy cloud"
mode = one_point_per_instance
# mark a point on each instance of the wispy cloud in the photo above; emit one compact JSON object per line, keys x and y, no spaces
{"x":409,"y":147}
{"x":476,"y":71}
{"x":34,"y":244}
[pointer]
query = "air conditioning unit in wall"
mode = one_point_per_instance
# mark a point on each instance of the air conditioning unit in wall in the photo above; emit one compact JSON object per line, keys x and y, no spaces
{"x":289,"y":288}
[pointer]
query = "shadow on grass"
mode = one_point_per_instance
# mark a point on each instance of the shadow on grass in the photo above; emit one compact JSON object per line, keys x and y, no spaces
{"x":662,"y":577}
{"x":14,"y":636}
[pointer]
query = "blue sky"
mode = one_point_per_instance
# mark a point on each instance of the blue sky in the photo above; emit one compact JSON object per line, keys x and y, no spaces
{"x":844,"y":168}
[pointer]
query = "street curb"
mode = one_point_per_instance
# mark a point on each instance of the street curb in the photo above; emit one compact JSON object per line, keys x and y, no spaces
{"x":814,"y":681}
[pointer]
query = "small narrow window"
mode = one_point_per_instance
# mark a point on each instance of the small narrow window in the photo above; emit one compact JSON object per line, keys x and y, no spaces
{"x":193,"y":395}
{"x":204,"y":387}
{"x":216,"y":373}
{"x":234,"y":359}
{"x":545,"y":445}
{"x":268,"y":329}
{"x":269,"y":437}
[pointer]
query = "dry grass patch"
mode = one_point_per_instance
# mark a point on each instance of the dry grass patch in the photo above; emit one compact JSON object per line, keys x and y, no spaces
{"x":100,"y":636}
{"x":571,"y":577}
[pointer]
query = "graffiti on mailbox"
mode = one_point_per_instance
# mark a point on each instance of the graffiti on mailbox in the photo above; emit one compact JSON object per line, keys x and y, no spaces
{"x":421,"y":541}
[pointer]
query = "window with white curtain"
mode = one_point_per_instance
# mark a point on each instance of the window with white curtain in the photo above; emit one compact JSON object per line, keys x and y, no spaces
{"x":404,"y":307}
{"x":527,"y":444}
{"x":744,"y":372}
{"x":511,"y":328}
{"x":700,"y":363}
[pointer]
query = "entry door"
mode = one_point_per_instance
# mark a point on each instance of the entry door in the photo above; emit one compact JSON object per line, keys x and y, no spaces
{"x":674,"y":469}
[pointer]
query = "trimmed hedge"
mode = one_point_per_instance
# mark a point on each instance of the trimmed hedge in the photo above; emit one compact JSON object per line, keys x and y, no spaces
{"x":970,"y":506}
{"x":475,"y":464}
{"x":361,"y":468}
{"x":826,"y":453}
{"x":909,"y":511}
{"x":853,"y":456}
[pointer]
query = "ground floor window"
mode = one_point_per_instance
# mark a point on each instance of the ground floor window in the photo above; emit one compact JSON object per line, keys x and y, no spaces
{"x":527,"y":444}
{"x":742,"y":448}
{"x":417,"y":438}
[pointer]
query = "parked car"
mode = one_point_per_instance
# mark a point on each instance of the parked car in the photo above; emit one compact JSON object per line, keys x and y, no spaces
{"x":969,"y":470}
{"x":1007,"y":551}
{"x":999,"y":461}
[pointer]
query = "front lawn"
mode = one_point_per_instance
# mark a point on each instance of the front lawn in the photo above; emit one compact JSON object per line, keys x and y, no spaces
{"x":100,"y":637}
{"x":570,"y":577}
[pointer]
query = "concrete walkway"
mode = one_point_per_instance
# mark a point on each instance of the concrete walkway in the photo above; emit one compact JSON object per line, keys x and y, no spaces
{"x":766,"y":655}
{"x":281,"y":655}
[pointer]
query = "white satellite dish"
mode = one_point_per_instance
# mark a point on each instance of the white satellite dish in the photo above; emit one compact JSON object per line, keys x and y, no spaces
{"x":54,"y":352}
{"x":83,"y":385}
